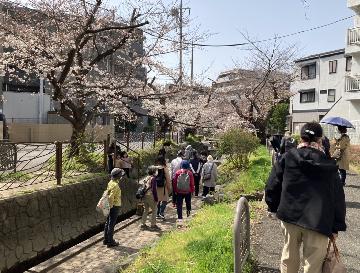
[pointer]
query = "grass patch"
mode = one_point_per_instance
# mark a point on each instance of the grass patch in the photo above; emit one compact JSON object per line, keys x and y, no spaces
{"x":247,"y":181}
{"x":206,"y":246}
{"x":15,"y":177}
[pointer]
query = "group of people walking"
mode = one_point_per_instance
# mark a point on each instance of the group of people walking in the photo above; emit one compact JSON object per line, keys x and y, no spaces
{"x":305,"y":191}
{"x":181,"y":179}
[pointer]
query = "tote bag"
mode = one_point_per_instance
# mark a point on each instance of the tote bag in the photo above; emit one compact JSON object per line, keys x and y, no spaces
{"x":332,"y":262}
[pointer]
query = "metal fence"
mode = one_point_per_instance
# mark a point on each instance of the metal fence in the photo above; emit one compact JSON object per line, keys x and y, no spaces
{"x":241,"y":235}
{"x":28,"y":164}
{"x":144,"y":140}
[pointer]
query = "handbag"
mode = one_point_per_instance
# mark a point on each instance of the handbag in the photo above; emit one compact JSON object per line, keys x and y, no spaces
{"x":104,"y":204}
{"x":332,"y":262}
{"x":207,"y":176}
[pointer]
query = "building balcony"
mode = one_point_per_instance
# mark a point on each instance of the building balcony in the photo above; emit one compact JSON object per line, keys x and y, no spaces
{"x":352,"y":88}
{"x":353,"y":41}
{"x":354,"y":5}
{"x":353,"y":36}
{"x":352,"y":84}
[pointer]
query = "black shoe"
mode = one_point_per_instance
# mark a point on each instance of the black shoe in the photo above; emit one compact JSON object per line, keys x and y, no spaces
{"x":113,"y":244}
{"x":155,"y":228}
{"x":144,"y":227}
{"x":188,"y":213}
{"x":105,"y":242}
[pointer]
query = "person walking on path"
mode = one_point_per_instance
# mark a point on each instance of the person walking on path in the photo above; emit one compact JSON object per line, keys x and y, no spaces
{"x":175,"y":166}
{"x":114,"y":194}
{"x":188,"y":152}
{"x":126,"y":163}
{"x":209,"y":176}
{"x":305,"y":192}
{"x":150,"y":199}
{"x":163,"y":186}
{"x":196,"y":166}
{"x":341,"y":153}
{"x":184,"y":187}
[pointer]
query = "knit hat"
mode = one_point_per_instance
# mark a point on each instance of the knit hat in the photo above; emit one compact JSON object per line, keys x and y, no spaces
{"x":210,"y":158}
{"x":185,"y":165}
{"x":117,"y":172}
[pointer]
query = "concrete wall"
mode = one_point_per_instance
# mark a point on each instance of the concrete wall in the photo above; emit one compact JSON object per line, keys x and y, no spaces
{"x":35,"y":223}
{"x":24,"y":107}
{"x":26,"y":132}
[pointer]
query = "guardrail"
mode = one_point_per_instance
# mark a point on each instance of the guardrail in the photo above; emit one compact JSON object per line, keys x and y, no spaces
{"x":241,"y":235}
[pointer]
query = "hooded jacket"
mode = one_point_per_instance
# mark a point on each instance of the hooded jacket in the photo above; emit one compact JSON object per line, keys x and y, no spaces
{"x":304,"y":189}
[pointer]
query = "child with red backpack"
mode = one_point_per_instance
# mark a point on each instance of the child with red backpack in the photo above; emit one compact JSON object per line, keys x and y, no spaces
{"x":184,"y":187}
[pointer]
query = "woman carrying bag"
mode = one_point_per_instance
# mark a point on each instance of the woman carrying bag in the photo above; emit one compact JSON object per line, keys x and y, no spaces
{"x":305,"y":192}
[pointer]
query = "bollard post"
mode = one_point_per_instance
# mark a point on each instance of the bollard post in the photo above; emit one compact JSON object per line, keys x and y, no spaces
{"x":142,"y":140}
{"x":58,"y":162}
{"x":241,"y":234}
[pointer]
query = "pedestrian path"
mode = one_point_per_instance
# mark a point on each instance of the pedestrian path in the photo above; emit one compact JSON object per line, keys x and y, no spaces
{"x":267,"y":240}
{"x":92,"y":256}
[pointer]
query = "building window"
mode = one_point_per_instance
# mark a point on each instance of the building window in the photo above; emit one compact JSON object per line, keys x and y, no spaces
{"x":332,"y":67}
{"x":308,"y":72}
{"x":348,"y":63}
{"x":331,"y":95}
{"x":323,"y":92}
{"x":307,"y":96}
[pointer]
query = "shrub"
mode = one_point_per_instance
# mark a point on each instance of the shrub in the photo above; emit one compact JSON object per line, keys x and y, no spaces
{"x":195,"y":142}
{"x":355,"y":157}
{"x":238,"y":144}
{"x":249,"y":181}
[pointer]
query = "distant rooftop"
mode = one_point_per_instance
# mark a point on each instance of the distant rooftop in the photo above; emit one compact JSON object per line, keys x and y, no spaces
{"x":321,"y":55}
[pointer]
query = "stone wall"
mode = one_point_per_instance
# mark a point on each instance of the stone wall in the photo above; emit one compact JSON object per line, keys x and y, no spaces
{"x":33,"y":224}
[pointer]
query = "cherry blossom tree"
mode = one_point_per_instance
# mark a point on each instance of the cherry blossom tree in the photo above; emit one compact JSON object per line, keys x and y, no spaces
{"x":249,"y":92}
{"x":95,"y":57}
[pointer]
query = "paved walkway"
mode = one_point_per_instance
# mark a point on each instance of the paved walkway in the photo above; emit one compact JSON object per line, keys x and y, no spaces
{"x":92,"y":256}
{"x":268,"y":240}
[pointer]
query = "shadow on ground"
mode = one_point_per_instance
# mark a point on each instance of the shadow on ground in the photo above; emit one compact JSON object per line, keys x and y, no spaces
{"x":353,"y":205}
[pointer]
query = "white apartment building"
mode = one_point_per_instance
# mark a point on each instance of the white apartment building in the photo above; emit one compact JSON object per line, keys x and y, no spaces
{"x":319,"y":86}
{"x":329,"y":84}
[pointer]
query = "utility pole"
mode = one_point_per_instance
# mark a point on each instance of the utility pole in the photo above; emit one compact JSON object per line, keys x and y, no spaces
{"x":181,"y":43}
{"x":192,"y":63}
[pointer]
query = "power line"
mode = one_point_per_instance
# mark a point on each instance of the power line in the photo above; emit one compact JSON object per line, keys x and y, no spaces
{"x":258,"y":41}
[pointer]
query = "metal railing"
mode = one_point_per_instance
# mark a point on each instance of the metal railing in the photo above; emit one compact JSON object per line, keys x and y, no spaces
{"x":353,"y":36}
{"x":28,"y":164}
{"x":352,"y":84}
{"x":241,"y":235}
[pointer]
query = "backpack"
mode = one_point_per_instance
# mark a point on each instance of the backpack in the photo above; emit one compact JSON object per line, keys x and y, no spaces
{"x":160,"y":178}
{"x":207,"y":175}
{"x":183,"y":182}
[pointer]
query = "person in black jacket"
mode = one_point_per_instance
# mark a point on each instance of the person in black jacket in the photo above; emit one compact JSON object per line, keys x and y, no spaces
{"x":305,"y":192}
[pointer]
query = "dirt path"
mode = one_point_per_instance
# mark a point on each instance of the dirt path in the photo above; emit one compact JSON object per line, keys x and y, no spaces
{"x":268,"y":240}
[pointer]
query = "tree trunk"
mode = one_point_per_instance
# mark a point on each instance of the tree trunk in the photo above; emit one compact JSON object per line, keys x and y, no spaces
{"x":77,"y":139}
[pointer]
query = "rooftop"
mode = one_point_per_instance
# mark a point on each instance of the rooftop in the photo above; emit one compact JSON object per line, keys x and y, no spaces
{"x":321,"y":55}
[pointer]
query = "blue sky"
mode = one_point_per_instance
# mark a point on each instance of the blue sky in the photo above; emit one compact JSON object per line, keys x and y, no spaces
{"x":262,"y":19}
